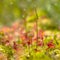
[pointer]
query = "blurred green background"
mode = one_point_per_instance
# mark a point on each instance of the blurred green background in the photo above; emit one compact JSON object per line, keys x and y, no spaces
{"x":12,"y":10}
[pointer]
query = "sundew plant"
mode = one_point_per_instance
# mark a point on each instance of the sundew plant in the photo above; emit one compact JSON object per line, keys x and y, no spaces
{"x":29,"y":29}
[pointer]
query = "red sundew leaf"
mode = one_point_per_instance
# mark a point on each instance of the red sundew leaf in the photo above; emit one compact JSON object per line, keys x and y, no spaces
{"x":40,"y":43}
{"x":51,"y":44}
{"x":29,"y":42}
{"x":15,"y":46}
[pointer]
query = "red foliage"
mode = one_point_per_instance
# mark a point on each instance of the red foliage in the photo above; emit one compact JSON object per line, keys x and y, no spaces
{"x":51,"y":44}
{"x":40,"y":34}
{"x":40,"y":43}
{"x":15,"y":46}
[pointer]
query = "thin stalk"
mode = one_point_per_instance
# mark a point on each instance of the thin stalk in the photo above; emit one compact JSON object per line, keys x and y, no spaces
{"x":36,"y":27}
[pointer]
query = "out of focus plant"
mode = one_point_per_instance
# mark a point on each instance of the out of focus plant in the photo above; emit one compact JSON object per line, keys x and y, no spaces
{"x":11,"y":10}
